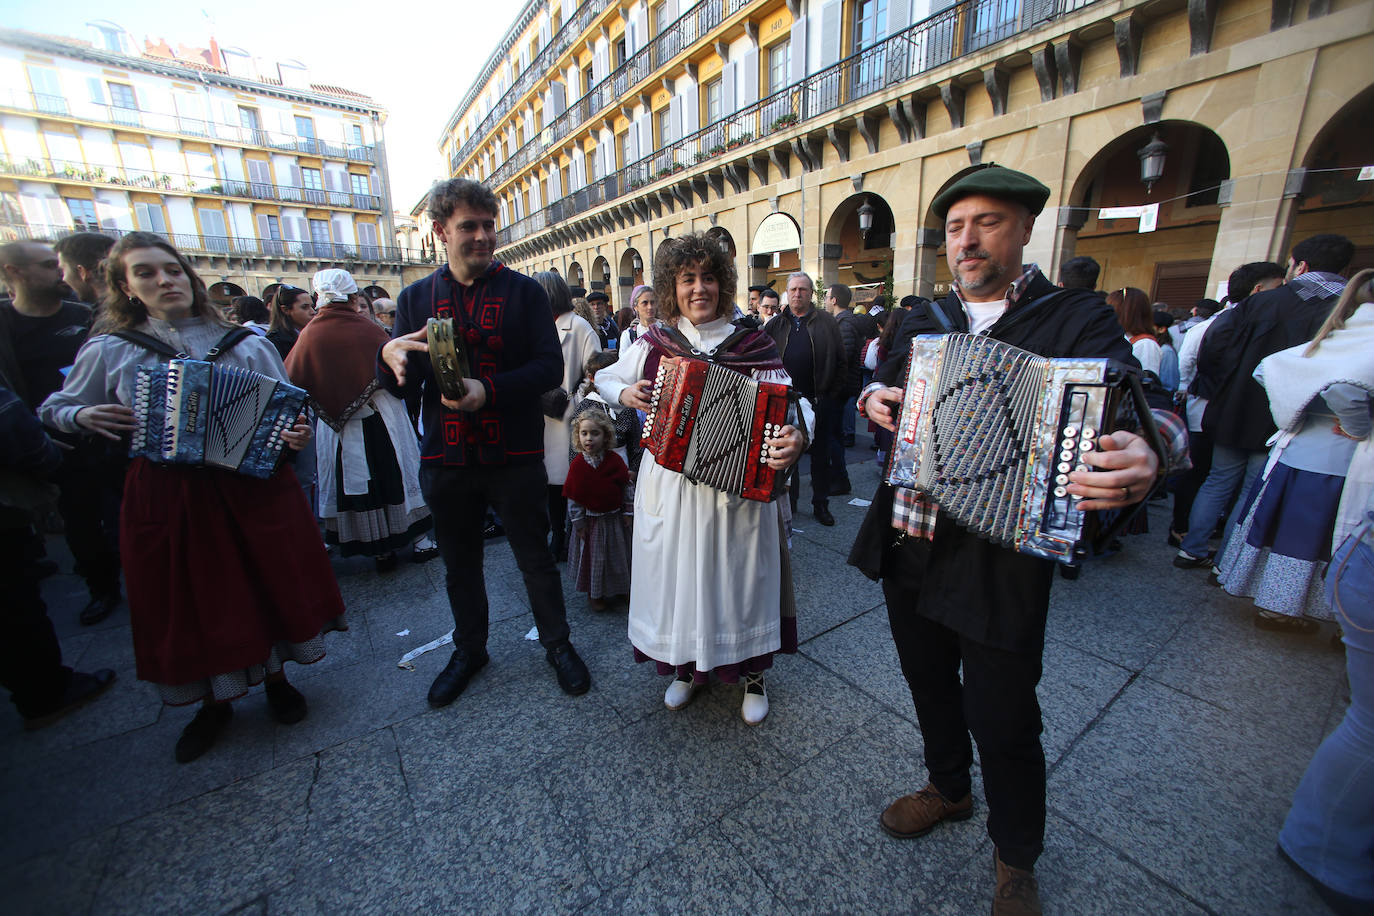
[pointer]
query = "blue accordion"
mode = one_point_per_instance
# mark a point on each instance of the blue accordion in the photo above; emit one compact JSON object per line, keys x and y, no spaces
{"x":195,"y":412}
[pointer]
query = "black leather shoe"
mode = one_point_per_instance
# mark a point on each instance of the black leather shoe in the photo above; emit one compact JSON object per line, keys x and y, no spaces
{"x":572,"y":673}
{"x":823,"y":515}
{"x":843,"y":488}
{"x":98,"y":608}
{"x":286,"y":702}
{"x":202,"y":731}
{"x":81,"y":689}
{"x":453,"y":680}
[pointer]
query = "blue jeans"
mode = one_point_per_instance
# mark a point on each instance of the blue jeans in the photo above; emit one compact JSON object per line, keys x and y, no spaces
{"x":1233,"y":471}
{"x":1330,"y":829}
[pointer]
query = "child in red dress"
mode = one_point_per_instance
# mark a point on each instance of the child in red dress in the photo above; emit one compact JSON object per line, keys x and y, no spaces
{"x":600,"y":507}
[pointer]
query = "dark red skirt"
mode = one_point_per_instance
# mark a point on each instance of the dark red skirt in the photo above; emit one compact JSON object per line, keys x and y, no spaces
{"x":219,"y":568}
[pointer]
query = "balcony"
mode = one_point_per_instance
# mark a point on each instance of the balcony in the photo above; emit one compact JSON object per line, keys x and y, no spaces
{"x":233,"y":246}
{"x":567,"y":34}
{"x":684,"y":32}
{"x":57,"y":170}
{"x":162,"y":122}
{"x":960,"y":30}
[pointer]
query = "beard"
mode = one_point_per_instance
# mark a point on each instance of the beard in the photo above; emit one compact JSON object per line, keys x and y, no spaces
{"x":990,"y":273}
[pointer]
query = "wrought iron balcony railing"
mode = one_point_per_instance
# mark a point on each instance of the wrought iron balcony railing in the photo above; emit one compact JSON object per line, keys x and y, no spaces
{"x":152,"y":180}
{"x":960,"y":30}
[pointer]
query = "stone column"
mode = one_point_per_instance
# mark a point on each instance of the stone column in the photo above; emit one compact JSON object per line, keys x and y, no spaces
{"x":1257,"y":218}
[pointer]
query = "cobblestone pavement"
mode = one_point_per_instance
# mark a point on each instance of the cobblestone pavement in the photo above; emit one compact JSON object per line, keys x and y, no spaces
{"x":1175,"y":734}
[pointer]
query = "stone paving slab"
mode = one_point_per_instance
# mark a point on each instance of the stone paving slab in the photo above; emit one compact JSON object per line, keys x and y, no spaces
{"x":1175,"y":733}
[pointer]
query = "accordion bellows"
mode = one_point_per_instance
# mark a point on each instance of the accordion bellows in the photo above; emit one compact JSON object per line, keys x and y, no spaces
{"x":195,"y":412}
{"x":711,"y":424}
{"x":991,"y":432}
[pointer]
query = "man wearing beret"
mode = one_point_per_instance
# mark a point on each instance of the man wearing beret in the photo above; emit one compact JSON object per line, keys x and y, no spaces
{"x":604,"y":325}
{"x":954,"y":599}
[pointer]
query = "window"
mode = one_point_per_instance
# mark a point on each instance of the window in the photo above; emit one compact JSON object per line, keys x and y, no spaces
{"x":355,"y":134}
{"x":122,"y":96}
{"x":47,"y":90}
{"x":273,"y":241}
{"x":123,"y":104}
{"x":664,"y":127}
{"x":83,"y":213}
{"x":319,"y":238}
{"x":587,"y":80}
{"x":250,"y":120}
{"x":214,"y":234}
{"x":626,"y":156}
{"x":621,"y":52}
{"x":150,"y":218}
{"x":779,"y":63}
{"x":313,"y":179}
{"x":305,"y":127}
{"x":715,"y":109}
{"x":359,"y":184}
{"x":868,"y":16}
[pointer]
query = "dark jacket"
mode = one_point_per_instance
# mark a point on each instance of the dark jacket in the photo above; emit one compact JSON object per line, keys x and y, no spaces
{"x":990,"y":594}
{"x":512,"y":348}
{"x":1238,"y":414}
{"x":827,"y":350}
{"x":852,"y":341}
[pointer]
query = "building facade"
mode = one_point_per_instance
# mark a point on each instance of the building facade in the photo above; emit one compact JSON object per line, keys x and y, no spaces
{"x":1179,"y":138}
{"x":253,"y":171}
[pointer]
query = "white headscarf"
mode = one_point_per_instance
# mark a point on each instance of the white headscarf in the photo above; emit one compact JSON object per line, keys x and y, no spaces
{"x":333,"y":285}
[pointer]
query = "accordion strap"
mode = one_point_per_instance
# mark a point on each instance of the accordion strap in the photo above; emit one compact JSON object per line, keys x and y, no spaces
{"x":163,"y":348}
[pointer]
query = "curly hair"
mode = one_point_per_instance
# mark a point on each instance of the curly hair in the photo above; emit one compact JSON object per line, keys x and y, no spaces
{"x":121,"y":312}
{"x":692,"y":250}
{"x":447,"y":196}
{"x":601,"y":421}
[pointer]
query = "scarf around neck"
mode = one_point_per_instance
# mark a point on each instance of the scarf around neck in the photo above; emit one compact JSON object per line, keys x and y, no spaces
{"x":335,"y":359}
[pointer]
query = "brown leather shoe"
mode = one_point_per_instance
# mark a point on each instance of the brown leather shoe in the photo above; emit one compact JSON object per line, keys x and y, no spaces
{"x":916,"y":815}
{"x":1018,"y":893}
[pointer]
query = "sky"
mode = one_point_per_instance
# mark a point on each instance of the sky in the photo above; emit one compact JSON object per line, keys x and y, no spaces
{"x":392,"y":51}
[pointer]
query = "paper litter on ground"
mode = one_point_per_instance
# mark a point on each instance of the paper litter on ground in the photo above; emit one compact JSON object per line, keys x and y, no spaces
{"x":860,"y":502}
{"x":408,"y":660}
{"x":533,"y":633}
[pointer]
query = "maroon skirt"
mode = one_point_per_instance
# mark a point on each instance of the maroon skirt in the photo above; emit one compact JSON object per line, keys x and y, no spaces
{"x":219,"y":569}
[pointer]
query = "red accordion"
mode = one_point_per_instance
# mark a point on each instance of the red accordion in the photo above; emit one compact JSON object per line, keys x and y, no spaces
{"x":711,"y":424}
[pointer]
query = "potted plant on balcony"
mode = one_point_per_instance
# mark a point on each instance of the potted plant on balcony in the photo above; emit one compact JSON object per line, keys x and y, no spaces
{"x":717,"y":150}
{"x":786,"y":120}
{"x":165,"y":181}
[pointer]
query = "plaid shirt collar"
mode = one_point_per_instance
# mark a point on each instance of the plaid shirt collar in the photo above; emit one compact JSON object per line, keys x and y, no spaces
{"x":1014,"y":292}
{"x":1317,"y":284}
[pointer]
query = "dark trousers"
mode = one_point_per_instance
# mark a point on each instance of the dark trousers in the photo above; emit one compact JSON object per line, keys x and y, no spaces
{"x":843,"y":427}
{"x":824,"y":469}
{"x":31,"y":666}
{"x":91,"y":481}
{"x":458,"y":498}
{"x":996,"y":703}
{"x":1200,"y":453}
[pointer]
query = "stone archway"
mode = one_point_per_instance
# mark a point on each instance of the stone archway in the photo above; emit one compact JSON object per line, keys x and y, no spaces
{"x":600,"y":278}
{"x":1333,"y":198}
{"x":576,"y":279}
{"x":1173,"y":263}
{"x":631,"y":274}
{"x":774,"y":252}
{"x":863,"y":261}
{"x":375,"y":292}
{"x":223,"y":292}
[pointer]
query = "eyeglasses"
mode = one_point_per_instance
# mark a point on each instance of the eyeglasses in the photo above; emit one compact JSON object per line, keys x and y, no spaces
{"x":388,"y":313}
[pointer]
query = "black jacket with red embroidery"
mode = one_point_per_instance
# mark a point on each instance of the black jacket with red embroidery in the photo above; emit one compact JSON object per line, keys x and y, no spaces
{"x":513,"y":349}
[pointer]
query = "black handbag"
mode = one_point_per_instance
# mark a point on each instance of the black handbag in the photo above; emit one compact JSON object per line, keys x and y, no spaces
{"x":554,"y":403}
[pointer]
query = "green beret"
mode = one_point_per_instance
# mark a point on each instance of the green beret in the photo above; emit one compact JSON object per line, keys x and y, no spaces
{"x":994,"y":181}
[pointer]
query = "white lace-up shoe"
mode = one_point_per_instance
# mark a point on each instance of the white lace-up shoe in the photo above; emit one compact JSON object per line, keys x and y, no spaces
{"x":755,"y":707}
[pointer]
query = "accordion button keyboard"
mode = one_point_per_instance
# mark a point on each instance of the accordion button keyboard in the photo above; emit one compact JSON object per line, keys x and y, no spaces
{"x":1060,"y":492}
{"x":1089,"y":433}
{"x":1064,"y":467}
{"x":1062,"y":479}
{"x":1070,"y":431}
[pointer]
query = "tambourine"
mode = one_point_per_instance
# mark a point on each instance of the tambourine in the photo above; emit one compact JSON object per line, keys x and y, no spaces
{"x":448,"y":357}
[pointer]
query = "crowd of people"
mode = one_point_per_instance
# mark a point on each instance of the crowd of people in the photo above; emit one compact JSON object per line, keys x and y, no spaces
{"x":1265,"y":400}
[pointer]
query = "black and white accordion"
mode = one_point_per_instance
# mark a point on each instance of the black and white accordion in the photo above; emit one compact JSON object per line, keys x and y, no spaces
{"x":711,"y":424}
{"x":991,"y":432}
{"x":194,"y":412}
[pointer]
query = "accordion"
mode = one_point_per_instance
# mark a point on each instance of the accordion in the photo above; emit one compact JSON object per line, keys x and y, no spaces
{"x":991,"y":432}
{"x":448,"y":357}
{"x":711,"y":424}
{"x":195,"y":412}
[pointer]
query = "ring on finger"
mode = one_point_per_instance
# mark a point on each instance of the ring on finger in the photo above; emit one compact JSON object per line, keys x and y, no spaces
{"x":1125,"y":492}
